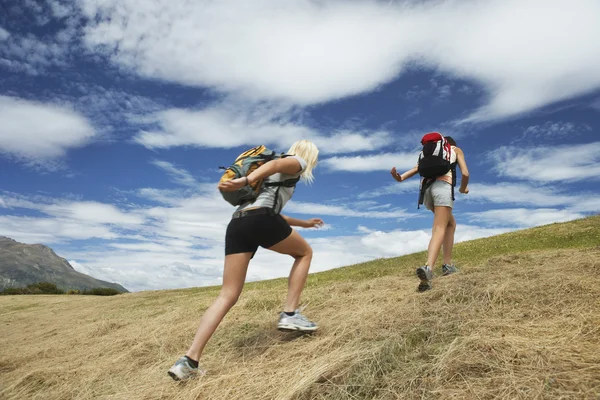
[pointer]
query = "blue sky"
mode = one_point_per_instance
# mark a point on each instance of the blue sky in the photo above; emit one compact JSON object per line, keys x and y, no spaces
{"x":115,"y":116}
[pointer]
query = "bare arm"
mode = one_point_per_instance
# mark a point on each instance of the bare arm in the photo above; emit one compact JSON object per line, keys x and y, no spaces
{"x":408,"y":174}
{"x":309,"y":223}
{"x":464,"y":171}
{"x":288,"y":165}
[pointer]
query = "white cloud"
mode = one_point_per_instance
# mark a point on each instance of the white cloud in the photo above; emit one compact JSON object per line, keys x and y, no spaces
{"x":178,"y":175}
{"x":439,"y":92}
{"x":316,"y":210}
{"x":51,"y":230}
{"x":550,"y":132}
{"x":412,"y":185}
{"x":32,"y":55}
{"x":587,"y":203}
{"x":530,"y":195}
{"x":149,"y":270}
{"x":553,"y":129}
{"x":64,"y":220}
{"x":309,"y":52}
{"x":92,"y":212}
{"x":4,"y":34}
{"x":227,"y":126}
{"x":374,"y":162}
{"x":163,"y":196}
{"x":31,"y":130}
{"x":108,"y":108}
{"x":549,"y":164}
{"x":518,"y":193}
{"x":523,"y":217}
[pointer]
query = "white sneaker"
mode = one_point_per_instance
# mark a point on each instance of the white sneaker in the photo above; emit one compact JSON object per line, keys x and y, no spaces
{"x":182,"y":370}
{"x":296,"y":322}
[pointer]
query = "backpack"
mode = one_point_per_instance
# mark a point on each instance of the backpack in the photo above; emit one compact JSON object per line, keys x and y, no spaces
{"x":244,"y":165}
{"x":434,"y":161}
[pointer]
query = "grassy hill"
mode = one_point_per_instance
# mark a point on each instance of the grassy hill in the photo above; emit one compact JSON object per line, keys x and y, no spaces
{"x":521,"y":321}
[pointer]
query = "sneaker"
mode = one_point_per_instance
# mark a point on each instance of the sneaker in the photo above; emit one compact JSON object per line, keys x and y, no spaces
{"x":296,"y":322}
{"x":425,"y":275}
{"x":182,"y":370}
{"x":448,"y":269}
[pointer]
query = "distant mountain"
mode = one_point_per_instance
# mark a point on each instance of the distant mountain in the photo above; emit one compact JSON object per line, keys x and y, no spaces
{"x":23,"y":264}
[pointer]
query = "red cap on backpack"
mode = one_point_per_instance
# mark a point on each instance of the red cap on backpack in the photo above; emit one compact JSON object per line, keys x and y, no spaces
{"x":431,"y":137}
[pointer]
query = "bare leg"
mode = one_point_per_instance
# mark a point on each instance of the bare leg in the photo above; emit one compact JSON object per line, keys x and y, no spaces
{"x":295,"y":246}
{"x":440,"y":222}
{"x":234,"y":276}
{"x":449,"y":240}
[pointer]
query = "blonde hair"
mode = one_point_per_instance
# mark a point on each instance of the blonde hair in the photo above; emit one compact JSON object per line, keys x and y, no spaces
{"x":306,"y":150}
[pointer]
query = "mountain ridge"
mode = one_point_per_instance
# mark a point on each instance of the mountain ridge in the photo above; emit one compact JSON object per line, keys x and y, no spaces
{"x":24,"y":264}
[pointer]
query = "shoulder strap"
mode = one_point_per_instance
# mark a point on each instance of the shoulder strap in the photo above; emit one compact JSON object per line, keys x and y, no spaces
{"x":453,"y":170}
{"x":287,"y":183}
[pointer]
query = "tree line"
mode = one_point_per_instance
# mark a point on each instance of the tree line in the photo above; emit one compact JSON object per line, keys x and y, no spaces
{"x":51,"y":288}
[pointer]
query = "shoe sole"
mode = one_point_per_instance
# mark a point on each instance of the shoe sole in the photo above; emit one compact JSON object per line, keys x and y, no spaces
{"x":294,"y":328}
{"x":422,"y":275}
{"x":423,"y":288}
{"x":175,"y":377}
{"x":178,"y":379}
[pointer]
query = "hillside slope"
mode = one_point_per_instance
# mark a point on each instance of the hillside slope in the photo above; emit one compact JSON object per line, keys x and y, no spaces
{"x":23,"y":264}
{"x":521,"y":321}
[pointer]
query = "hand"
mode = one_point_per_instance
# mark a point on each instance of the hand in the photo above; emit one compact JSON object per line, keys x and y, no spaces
{"x":396,"y":175}
{"x":464,"y":190}
{"x":233,"y":185}
{"x":314,"y":223}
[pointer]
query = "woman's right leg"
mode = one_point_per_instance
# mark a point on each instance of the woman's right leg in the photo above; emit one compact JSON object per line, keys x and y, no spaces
{"x":234,"y":276}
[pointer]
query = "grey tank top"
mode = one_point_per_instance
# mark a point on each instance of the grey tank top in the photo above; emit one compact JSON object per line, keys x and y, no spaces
{"x":266,"y":197}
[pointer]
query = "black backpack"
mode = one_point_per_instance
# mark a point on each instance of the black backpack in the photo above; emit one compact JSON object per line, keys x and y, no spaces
{"x":434,"y":161}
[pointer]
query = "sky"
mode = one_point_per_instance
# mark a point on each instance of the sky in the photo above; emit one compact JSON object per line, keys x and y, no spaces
{"x":116,"y":114}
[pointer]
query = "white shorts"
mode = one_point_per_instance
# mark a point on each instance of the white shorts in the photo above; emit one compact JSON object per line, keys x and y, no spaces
{"x":438,"y":194}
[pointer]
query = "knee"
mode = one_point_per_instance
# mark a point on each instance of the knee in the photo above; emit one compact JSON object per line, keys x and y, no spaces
{"x":306,"y":252}
{"x":229,"y":297}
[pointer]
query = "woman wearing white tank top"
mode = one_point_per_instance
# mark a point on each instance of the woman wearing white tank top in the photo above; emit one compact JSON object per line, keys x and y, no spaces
{"x":438,"y":199}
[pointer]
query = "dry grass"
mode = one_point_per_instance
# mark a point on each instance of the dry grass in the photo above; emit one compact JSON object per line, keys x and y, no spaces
{"x":522,"y":325}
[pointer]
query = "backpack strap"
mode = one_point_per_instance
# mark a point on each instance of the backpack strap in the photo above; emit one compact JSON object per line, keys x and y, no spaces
{"x":287,"y":183}
{"x":424,"y":186}
{"x":453,"y":170}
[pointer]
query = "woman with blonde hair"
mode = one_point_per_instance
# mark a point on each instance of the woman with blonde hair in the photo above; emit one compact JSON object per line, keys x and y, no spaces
{"x":254,"y":224}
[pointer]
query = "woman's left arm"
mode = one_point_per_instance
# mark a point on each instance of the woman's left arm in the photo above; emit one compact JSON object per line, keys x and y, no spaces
{"x":288,"y":165}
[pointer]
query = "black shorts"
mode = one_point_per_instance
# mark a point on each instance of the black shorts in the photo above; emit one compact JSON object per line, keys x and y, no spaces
{"x":247,"y":233}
